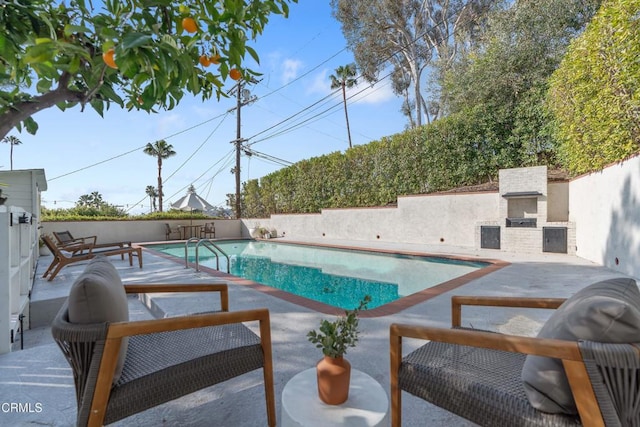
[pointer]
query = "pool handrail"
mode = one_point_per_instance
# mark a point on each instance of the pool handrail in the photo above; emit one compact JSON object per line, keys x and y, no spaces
{"x":186,"y":250}
{"x":209,"y":244}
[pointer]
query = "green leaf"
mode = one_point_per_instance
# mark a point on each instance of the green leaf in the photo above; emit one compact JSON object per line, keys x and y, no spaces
{"x":98,"y":105}
{"x":71,"y":29}
{"x":74,"y":65}
{"x":133,"y":40}
{"x":39,"y":53}
{"x":43,"y":86}
{"x":253,"y":53}
{"x":30,"y":125}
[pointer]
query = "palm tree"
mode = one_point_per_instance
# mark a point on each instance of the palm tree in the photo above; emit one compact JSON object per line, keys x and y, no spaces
{"x":161,"y":150}
{"x":344,"y":78}
{"x":12,"y":140}
{"x":153,"y":195}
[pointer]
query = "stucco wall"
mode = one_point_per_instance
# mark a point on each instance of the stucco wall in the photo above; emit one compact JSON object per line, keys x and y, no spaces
{"x":605,"y":207}
{"x":136,"y":231}
{"x":558,"y":201}
{"x":449,"y":219}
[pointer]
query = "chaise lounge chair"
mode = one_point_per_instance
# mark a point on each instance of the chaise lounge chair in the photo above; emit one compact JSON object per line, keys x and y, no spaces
{"x":583,"y":368}
{"x":65,"y":238}
{"x":65,"y":255}
{"x":123,"y":367}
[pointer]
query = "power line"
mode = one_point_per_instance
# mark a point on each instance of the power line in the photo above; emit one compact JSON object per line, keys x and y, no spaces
{"x":290,"y":128}
{"x":199,"y":147}
{"x":224,"y":166}
{"x":389,"y":56}
{"x":316,"y":117}
{"x":193,"y":154}
{"x":250,"y":153}
{"x":134,"y":150}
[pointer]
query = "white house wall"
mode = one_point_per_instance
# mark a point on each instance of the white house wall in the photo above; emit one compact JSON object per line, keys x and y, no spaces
{"x":605,"y":206}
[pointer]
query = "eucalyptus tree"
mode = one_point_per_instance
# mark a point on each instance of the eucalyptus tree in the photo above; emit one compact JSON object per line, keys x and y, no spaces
{"x":161,"y":150}
{"x":137,"y":54}
{"x":344,"y":78}
{"x":503,"y":79}
{"x":11,"y":140}
{"x":409,"y":36}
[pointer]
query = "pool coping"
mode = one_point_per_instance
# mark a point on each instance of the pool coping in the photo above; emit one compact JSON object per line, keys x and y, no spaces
{"x":387,"y":309}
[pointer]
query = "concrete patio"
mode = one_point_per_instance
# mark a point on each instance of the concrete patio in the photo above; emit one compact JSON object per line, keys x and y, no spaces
{"x":39,"y":379}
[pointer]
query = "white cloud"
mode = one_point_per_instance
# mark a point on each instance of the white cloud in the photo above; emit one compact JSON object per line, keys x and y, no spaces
{"x":169,"y":122}
{"x":366,"y":93}
{"x":320,"y":83}
{"x":363,"y":92}
{"x":208,"y":110}
{"x":290,"y":68}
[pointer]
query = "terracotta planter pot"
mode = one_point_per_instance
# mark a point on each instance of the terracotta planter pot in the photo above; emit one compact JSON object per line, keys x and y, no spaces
{"x":334,"y":377}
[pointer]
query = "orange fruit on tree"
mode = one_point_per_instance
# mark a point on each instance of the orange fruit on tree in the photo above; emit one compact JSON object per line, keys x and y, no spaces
{"x":214,"y":59}
{"x":189,"y":24}
{"x":204,"y":60}
{"x":235,"y":74}
{"x":108,"y":59}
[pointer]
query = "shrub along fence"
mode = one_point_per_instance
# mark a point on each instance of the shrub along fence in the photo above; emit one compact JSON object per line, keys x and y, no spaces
{"x":452,"y":152}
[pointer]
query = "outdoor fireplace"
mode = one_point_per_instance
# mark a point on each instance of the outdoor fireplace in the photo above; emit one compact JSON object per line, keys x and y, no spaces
{"x":522,"y":208}
{"x":522,"y":222}
{"x":532,"y":214}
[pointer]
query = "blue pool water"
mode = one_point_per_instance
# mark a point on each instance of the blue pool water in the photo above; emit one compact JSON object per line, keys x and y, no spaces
{"x":337,"y":277}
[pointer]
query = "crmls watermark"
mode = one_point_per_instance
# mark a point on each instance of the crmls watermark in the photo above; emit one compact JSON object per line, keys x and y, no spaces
{"x":18,"y":407}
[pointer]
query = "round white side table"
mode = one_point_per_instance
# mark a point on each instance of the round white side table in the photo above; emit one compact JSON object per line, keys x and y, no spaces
{"x":367,"y":405}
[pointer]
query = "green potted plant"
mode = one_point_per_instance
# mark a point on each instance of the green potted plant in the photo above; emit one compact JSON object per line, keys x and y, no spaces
{"x":334,"y":338}
{"x":254,"y":231}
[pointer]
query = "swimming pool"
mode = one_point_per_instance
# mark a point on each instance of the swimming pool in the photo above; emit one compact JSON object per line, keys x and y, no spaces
{"x":337,"y":277}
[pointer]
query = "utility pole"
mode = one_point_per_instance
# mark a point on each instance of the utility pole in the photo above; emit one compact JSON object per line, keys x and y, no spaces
{"x":238,"y":145}
{"x":243,"y":97}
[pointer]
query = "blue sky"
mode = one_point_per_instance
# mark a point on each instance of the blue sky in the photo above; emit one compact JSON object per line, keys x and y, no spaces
{"x":297,"y":56}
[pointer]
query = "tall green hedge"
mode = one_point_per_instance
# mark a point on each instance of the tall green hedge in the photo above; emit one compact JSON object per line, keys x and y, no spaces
{"x":595,"y":94}
{"x":451,"y":152}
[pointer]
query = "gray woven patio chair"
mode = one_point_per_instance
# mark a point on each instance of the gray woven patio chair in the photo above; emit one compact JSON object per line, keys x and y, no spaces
{"x":165,"y":358}
{"x":477,"y":374}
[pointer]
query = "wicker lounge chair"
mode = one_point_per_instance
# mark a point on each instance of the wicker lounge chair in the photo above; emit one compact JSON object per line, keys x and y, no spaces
{"x":208,"y":231}
{"x":65,"y":255}
{"x":480,"y":375}
{"x":122,"y":368}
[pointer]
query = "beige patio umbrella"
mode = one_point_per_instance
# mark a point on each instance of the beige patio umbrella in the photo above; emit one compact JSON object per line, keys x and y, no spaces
{"x":192,"y":203}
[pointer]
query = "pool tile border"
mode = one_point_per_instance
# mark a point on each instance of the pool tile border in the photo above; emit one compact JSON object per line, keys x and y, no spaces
{"x":384,"y":310}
